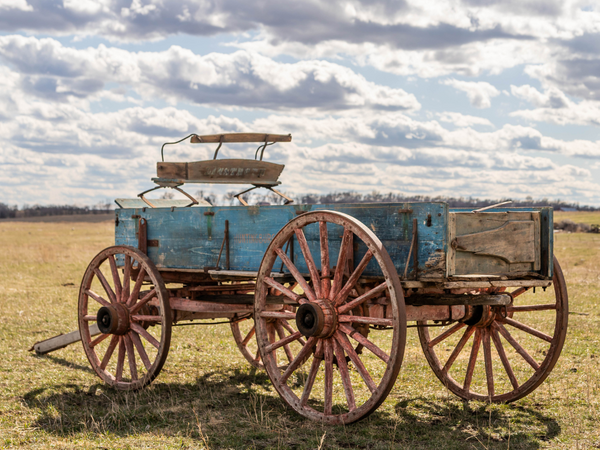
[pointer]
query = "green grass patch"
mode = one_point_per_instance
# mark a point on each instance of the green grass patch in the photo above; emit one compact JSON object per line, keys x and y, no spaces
{"x":207,"y":395}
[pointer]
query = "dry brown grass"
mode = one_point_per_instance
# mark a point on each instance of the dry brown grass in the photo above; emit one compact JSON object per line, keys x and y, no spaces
{"x":208,"y":397}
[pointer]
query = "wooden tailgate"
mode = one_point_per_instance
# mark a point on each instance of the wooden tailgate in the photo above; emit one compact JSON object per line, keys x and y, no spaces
{"x":494,"y":243}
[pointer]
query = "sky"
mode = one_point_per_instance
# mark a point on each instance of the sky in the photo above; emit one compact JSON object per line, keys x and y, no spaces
{"x":473,"y":98}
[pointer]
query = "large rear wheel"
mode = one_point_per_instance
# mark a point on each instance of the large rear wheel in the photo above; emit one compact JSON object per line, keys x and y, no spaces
{"x":332,"y":378}
{"x":503,"y":353}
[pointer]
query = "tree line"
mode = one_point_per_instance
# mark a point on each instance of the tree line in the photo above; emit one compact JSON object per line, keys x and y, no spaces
{"x":269,"y":198}
{"x":13,"y":211}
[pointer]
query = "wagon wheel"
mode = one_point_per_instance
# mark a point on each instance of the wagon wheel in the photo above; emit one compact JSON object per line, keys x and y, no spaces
{"x":244,"y":334}
{"x":138,"y":325}
{"x":527,"y":337}
{"x":323,"y":317}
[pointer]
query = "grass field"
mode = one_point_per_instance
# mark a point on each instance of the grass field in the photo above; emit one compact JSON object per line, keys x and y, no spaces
{"x":207,"y":396}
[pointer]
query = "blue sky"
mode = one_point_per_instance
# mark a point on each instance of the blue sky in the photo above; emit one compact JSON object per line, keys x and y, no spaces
{"x":482,"y":98}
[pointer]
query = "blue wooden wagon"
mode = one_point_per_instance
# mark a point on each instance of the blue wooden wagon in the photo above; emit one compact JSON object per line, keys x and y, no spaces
{"x":321,"y":296}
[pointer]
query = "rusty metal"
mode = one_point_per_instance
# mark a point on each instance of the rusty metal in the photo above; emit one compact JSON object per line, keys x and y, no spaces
{"x":172,"y":143}
{"x":492,"y":206}
{"x":143,"y":235}
{"x":220,"y":144}
{"x":415,"y":247}
{"x":405,"y":211}
{"x":227,"y":244}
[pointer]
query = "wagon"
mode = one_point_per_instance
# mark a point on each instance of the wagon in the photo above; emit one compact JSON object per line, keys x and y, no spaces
{"x":321,"y":296}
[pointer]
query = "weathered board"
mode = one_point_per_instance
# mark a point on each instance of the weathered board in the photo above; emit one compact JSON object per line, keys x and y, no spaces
{"x":191,"y":238}
{"x":500,"y":241}
{"x":220,"y":171}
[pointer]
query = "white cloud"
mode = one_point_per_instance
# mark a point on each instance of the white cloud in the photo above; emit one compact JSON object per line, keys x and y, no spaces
{"x":20,"y":5}
{"x":479,"y":92}
{"x":462,"y":120}
{"x":555,"y":107}
{"x":242,"y":79}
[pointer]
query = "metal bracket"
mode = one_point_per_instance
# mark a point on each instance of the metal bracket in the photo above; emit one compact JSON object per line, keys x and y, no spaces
{"x":256,"y":186}
{"x":220,"y":143}
{"x":225,"y":244}
{"x":143,"y":235}
{"x":168,"y":185}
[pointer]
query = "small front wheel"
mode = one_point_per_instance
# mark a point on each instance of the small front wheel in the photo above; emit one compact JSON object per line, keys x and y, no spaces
{"x":124,"y":294}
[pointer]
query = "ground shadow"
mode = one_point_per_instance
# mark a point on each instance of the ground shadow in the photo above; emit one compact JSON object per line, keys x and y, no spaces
{"x":238,"y":408}
{"x":477,"y":423}
{"x":66,"y":363}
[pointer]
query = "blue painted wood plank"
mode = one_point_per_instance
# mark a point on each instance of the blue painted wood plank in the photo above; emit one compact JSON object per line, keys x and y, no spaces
{"x":190,"y":239}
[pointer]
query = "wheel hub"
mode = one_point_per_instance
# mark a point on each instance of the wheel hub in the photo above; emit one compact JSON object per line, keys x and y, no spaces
{"x":318,"y":318}
{"x":113,"y":319}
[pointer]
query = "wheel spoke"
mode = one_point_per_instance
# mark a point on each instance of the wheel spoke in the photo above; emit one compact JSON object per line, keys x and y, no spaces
{"x":288,"y":327}
{"x":344,"y":374}
{"x":325,"y":273}
{"x":257,"y":355}
{"x":271,"y":335}
{"x":345,"y":343}
{"x":131,"y":358}
{"x":109,"y":351}
{"x":328,"y":351}
{"x":341,"y":263}
{"x":120,"y":359}
{"x":139,"y":305}
{"x":310,"y":262}
{"x":525,"y":308}
{"x":140,"y":330}
{"x":312,"y":374}
{"x":520,"y":350}
{"x":518,"y":292}
{"x":140,"y":349}
{"x":115,"y":275}
{"x":472,"y":360}
{"x":285,"y":291}
{"x":296,"y":274}
{"x":449,"y":332}
{"x":343,"y":294}
{"x":96,"y":297}
{"x":354,"y":334}
{"x":367,"y":320}
{"x":312,"y":341}
{"x":463,"y":340}
{"x":363,"y":298}
{"x":126,"y":279}
{"x":105,"y":285}
{"x":249,"y":335}
{"x":282,"y":337}
{"x":142,"y":318}
{"x":136,"y":288}
{"x":504,"y":359}
{"x":98,"y":340}
{"x":526,"y":328}
{"x":487,"y":356}
{"x":277,"y":315}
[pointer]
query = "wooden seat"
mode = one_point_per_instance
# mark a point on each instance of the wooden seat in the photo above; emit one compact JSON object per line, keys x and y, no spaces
{"x":220,"y":171}
{"x":256,"y":172}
